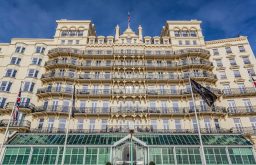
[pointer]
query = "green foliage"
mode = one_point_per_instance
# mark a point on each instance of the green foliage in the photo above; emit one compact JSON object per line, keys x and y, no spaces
{"x":152,"y":163}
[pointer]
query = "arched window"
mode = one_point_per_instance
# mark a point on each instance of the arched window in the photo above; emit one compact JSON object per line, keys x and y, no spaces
{"x":193,"y":32}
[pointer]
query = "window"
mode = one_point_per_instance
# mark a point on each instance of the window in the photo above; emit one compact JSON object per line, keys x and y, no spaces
{"x":92,"y":124}
{"x":241,"y":87}
{"x":80,"y":124}
{"x":226,"y":89}
{"x":173,"y":89}
{"x":40,"y":49}
{"x":70,"y":42}
{"x":238,"y":125}
{"x":77,"y":42}
{"x":180,"y":42}
{"x":166,"y":124}
{"x":40,"y":124}
{"x":215,"y":52}
{"x":194,"y":42}
{"x":104,"y":124}
{"x":154,"y":124}
{"x":232,"y":106}
{"x":246,"y":60}
{"x":241,"y":48}
{"x":251,"y":72}
{"x":217,"y":124}
{"x":20,"y":49}
{"x":248,"y":105}
{"x":15,"y":61}
{"x":62,"y":42}
{"x":175,"y":106}
{"x":218,"y":63}
{"x":36,"y":61}
{"x":187,"y":42}
{"x":62,"y":124}
{"x":28,"y":86}
{"x":194,"y":124}
{"x":253,"y":122}
{"x":193,"y":33}
{"x":10,"y":73}
{"x":32,"y":73}
{"x":222,"y":75}
{"x":184,"y":33}
{"x":5,"y":86}
{"x":232,"y":61}
{"x":177,"y":33}
{"x":50,"y":124}
{"x":228,"y":50}
{"x":207,"y":124}
{"x":2,"y":102}
{"x":236,"y":73}
{"x":177,"y":125}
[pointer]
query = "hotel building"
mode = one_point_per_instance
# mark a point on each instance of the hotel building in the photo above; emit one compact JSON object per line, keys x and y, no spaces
{"x":133,"y":101}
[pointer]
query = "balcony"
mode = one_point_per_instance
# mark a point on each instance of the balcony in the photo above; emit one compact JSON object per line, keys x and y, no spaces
{"x":25,"y":107}
{"x":86,"y":93}
{"x":58,"y":63}
{"x":241,"y":110}
{"x":149,"y":129}
{"x":79,"y":53}
{"x":15,"y":125}
{"x":56,"y":52}
{"x":239,"y":92}
{"x":71,"y":76}
{"x":159,"y":111}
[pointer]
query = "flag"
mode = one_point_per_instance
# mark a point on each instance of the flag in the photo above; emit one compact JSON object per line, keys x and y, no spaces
{"x":205,"y":93}
{"x":254,"y":82}
{"x":73,"y":102}
{"x":17,"y":106}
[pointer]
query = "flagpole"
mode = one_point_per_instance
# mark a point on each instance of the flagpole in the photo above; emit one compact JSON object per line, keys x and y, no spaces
{"x":67,"y":129}
{"x":198,"y":125}
{"x":9,"y":122}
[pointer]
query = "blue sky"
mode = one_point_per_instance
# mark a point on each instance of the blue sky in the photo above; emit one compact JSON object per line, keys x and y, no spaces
{"x":36,"y":18}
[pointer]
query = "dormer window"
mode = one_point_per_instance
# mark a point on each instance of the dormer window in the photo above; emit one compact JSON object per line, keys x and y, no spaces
{"x":129,"y":40}
{"x":100,"y":41}
{"x":64,"y":33}
{"x":109,"y":41}
{"x":165,"y":42}
{"x":147,"y":42}
{"x":72,"y":33}
{"x":135,"y":41}
{"x":156,"y":41}
{"x":91,"y":41}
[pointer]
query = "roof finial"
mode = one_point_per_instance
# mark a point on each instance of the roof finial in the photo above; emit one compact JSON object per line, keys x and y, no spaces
{"x":129,"y":20}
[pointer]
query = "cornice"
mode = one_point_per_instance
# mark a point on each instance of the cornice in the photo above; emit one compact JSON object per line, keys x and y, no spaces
{"x":222,"y":41}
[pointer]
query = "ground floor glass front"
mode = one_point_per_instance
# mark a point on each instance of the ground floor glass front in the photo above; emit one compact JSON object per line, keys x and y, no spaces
{"x":102,"y":155}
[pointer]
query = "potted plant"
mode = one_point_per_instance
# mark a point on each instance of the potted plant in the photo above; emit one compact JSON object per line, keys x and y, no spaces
{"x":152,"y":163}
{"x":108,"y":163}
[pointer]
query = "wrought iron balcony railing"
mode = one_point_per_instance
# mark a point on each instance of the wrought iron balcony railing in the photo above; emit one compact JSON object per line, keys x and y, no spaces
{"x":239,"y":92}
{"x":23,"y":106}
{"x":72,"y":75}
{"x":74,"y":51}
{"x":241,"y":109}
{"x":128,"y":110}
{"x":115,"y":91}
{"x":148,"y":129}
{"x":14,"y":123}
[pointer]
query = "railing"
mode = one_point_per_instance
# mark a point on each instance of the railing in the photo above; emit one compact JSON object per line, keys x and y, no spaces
{"x":129,"y":52}
{"x":72,"y":75}
{"x":149,"y":129}
{"x":14,"y":123}
{"x":241,"y":109}
{"x":132,"y":64}
{"x":239,"y":91}
{"x":149,"y":92}
{"x":23,"y":105}
{"x":150,"y":110}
